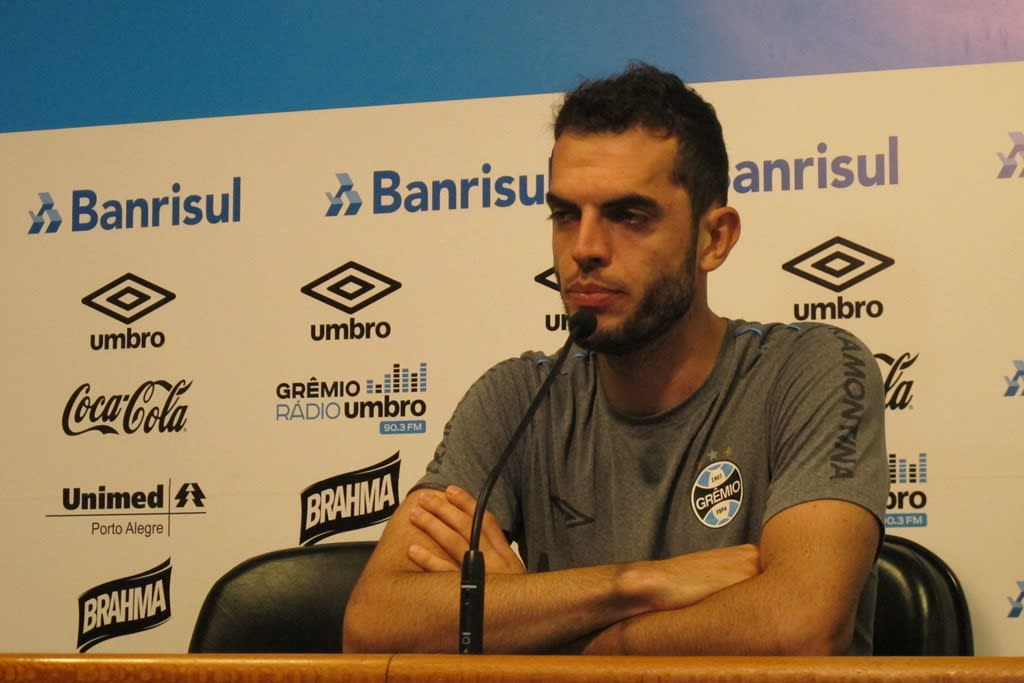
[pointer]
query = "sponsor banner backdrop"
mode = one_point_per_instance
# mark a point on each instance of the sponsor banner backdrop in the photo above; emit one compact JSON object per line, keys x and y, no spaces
{"x":228,"y":336}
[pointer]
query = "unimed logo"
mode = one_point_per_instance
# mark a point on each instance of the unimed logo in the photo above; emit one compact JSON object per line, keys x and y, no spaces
{"x":90,"y":210}
{"x":127,"y":299}
{"x":124,"y":606}
{"x":350,"y":501}
{"x":114,"y":511}
{"x":838,"y":264}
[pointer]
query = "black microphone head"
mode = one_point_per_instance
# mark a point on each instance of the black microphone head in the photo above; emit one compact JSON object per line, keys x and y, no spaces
{"x":582,"y":323}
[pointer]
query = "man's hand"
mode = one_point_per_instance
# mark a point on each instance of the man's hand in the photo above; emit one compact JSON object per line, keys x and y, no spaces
{"x":448,"y":519}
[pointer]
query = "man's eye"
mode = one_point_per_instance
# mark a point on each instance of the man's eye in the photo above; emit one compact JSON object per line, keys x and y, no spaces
{"x":561,"y":216}
{"x":629,"y":217}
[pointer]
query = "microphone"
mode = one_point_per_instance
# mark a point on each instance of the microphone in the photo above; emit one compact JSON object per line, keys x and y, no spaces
{"x":471,"y":598}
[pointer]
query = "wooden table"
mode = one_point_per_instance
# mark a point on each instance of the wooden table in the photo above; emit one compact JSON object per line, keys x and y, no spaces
{"x":54,"y":668}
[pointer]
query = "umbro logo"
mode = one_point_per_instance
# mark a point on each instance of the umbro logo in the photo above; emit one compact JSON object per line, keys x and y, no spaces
{"x":351,"y":287}
{"x":838,"y":264}
{"x":547,"y":278}
{"x":128,"y":298}
{"x":571,"y":515}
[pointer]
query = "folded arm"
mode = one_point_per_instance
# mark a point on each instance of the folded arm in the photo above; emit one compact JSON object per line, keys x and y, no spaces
{"x":815,"y":559}
{"x":407,"y":598}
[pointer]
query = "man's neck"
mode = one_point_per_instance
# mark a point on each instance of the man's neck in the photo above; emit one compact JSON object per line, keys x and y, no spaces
{"x":666,"y":372}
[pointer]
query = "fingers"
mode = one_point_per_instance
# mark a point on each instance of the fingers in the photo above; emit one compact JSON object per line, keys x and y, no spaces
{"x":434,"y":517}
{"x":448,"y":522}
{"x":429,"y":562}
{"x":492,"y":538}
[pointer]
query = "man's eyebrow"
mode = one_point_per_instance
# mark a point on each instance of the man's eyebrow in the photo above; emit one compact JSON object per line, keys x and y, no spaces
{"x":628,"y":201}
{"x":633,"y":201}
{"x":554,"y":200}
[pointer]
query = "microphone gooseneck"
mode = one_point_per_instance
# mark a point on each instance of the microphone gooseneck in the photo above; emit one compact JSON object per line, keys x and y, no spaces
{"x":471,"y":599}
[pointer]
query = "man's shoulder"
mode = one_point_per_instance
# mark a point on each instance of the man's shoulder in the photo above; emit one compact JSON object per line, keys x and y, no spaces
{"x":529,"y":369}
{"x":801,"y":339}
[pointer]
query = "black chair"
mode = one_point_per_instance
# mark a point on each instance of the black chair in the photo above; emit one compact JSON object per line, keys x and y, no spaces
{"x":286,"y":601}
{"x":293,"y":601}
{"x":921,"y":609}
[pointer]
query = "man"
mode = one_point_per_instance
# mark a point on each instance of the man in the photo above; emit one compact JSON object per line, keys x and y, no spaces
{"x":693,"y":485}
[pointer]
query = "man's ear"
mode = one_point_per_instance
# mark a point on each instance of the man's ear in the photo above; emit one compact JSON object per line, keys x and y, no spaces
{"x":719,"y":232}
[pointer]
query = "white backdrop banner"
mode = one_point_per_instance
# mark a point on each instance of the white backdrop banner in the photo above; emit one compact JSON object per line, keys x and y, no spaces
{"x":228,"y":336}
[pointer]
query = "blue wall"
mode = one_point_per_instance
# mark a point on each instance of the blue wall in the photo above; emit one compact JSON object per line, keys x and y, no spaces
{"x":68,"y":64}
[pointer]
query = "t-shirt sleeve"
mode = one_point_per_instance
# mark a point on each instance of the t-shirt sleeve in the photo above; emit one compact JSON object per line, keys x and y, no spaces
{"x":827,"y":419}
{"x":478,"y":432}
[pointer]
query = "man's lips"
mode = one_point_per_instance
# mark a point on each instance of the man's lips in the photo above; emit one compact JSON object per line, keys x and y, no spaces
{"x":590,"y":295}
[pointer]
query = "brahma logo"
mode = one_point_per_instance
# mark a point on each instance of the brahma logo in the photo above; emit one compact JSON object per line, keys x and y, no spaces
{"x":350,"y":501}
{"x":124,"y":606}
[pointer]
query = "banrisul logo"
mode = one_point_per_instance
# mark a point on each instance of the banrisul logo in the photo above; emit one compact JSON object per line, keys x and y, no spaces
{"x":119,"y":511}
{"x":899,"y":381}
{"x":1017,"y":603}
{"x":394,"y":398}
{"x":821,"y":171}
{"x":353,"y":500}
{"x":127,"y":299}
{"x":124,"y":606}
{"x":155,"y":406}
{"x":350,"y":288}
{"x":89,"y":210}
{"x":393,"y":191}
{"x":838,"y":264}
{"x":907,"y":498}
{"x":1009,"y":160}
{"x":1015,"y":382}
{"x":346,"y":198}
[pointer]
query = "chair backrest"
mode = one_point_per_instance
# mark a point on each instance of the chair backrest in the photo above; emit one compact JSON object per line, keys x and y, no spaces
{"x":921,"y":608}
{"x":286,"y":601}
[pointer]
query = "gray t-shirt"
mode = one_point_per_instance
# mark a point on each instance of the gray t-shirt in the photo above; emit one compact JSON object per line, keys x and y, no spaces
{"x":789,"y":414}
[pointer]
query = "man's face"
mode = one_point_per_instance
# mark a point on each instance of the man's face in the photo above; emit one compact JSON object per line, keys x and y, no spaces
{"x":622,"y":235}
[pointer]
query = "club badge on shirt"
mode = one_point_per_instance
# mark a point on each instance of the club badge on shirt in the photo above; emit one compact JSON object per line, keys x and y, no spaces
{"x":717,"y":494}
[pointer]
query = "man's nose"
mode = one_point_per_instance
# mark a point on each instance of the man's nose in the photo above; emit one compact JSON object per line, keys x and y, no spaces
{"x":591,"y":248}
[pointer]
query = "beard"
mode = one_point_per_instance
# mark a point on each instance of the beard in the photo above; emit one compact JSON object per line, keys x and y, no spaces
{"x":665,"y":302}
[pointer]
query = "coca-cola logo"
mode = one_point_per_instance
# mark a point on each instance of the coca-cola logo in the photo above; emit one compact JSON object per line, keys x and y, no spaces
{"x":898,"y":389}
{"x":154,"y":406}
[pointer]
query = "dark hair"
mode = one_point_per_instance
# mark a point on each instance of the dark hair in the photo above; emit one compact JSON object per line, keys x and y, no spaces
{"x":646,"y":97}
